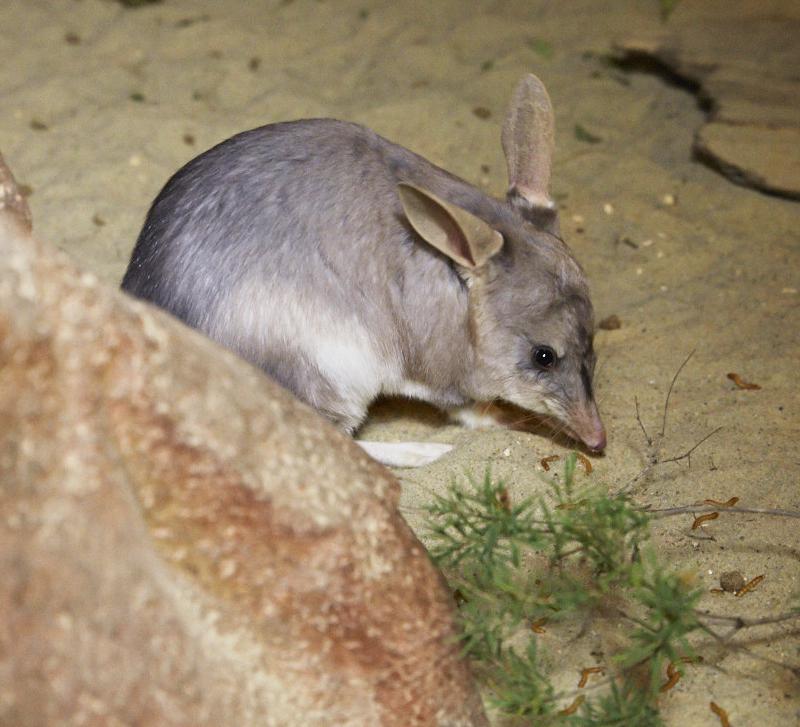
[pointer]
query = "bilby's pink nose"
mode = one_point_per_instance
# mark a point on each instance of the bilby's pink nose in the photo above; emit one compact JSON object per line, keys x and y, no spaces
{"x":588,"y":426}
{"x":597,"y":441}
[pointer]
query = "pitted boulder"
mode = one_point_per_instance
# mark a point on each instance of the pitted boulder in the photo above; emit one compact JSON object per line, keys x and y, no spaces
{"x":182,"y":542}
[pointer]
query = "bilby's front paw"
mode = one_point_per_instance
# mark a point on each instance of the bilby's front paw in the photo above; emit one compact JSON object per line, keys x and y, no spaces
{"x":476,"y":416}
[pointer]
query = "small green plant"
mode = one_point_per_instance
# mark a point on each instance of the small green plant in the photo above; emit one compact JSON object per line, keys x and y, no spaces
{"x":541,"y":47}
{"x":666,"y":8}
{"x":582,"y":134}
{"x":578,"y":552}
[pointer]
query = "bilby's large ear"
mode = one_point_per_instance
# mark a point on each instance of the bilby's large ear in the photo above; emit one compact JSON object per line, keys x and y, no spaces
{"x":463,"y":237}
{"x":528,"y":143}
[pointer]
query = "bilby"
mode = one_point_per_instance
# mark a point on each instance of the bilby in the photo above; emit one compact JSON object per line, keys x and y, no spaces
{"x":348,"y":267}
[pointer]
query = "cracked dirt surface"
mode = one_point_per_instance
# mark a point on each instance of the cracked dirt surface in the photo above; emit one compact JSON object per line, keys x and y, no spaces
{"x":100,"y":104}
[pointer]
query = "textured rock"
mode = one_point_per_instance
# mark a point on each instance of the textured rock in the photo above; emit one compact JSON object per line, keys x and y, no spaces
{"x":743,"y":55}
{"x":183,"y":543}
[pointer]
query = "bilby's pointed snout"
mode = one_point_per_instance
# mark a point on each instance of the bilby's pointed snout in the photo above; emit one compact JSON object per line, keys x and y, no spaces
{"x":588,"y":427}
{"x":597,"y":442}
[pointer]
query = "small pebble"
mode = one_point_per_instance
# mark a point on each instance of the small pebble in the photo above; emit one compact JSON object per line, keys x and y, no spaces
{"x":639,"y":271}
{"x":731,"y":581}
{"x":577,"y":219}
{"x":608,"y":208}
{"x":789,"y":291}
{"x":660,"y":254}
{"x":610,"y":323}
{"x":135,"y":160}
{"x":647,"y":242}
{"x":669,"y":200}
{"x":507,"y":452}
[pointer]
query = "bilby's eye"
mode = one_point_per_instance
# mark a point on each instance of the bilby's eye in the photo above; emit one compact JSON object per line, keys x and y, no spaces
{"x":544,"y":357}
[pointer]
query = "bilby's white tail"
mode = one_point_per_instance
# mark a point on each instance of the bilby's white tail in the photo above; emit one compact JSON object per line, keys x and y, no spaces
{"x":405,"y":454}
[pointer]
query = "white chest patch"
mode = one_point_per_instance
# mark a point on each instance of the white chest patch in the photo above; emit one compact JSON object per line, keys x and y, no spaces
{"x":257,"y":319}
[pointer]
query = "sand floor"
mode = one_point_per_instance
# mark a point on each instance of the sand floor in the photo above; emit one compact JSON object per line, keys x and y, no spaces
{"x":99,"y":104}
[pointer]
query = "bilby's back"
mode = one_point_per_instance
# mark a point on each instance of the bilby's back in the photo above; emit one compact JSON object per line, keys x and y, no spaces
{"x":346,"y":267}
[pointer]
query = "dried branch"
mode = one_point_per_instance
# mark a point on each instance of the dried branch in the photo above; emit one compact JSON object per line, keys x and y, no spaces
{"x":655,"y":461}
{"x":739,"y":622}
{"x":694,"y":509}
{"x":688,"y":453}
{"x":641,"y":423}
{"x":724,"y":641}
{"x":669,"y":392}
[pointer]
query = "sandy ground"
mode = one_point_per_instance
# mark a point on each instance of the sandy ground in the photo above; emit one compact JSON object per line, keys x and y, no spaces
{"x":100,"y":104}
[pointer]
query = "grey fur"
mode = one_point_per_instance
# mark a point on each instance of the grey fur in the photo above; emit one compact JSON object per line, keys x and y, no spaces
{"x":290,"y":245}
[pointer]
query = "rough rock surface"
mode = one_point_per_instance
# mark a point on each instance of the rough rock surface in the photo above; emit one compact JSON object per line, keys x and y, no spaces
{"x":182,"y":543}
{"x":744,"y":56}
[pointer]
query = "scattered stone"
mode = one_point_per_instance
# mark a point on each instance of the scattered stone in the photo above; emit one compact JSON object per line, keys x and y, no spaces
{"x":731,"y":581}
{"x":610,"y":323}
